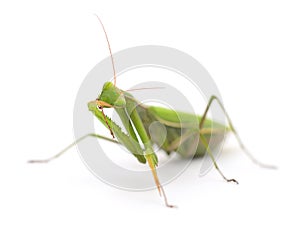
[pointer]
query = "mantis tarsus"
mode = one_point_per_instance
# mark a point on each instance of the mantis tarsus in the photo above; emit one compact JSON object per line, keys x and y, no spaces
{"x":137,"y":118}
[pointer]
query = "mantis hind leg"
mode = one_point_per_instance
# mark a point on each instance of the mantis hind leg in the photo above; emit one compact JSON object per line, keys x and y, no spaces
{"x":209,"y":152}
{"x":233,"y":130}
{"x":70,"y":146}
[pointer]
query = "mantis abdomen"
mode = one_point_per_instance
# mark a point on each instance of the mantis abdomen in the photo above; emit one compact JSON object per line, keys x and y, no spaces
{"x":179,"y":132}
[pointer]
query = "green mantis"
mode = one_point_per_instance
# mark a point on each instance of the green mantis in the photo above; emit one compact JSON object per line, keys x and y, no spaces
{"x":182,"y":134}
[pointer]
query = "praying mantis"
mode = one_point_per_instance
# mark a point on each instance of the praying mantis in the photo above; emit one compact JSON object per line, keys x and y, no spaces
{"x":137,"y":118}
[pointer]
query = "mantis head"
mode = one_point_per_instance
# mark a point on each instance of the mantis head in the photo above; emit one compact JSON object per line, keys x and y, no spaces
{"x":111,"y":96}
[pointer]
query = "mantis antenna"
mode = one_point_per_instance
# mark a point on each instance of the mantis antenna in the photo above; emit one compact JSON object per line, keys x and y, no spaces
{"x":112,"y":59}
{"x":114,"y":70}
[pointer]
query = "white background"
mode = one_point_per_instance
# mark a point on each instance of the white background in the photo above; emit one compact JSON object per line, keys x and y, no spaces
{"x":251,"y":49}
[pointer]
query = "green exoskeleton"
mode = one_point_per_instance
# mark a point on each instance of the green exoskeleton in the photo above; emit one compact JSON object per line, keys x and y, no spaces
{"x":137,"y":118}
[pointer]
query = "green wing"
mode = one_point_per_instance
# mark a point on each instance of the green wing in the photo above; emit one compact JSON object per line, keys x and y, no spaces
{"x":182,"y":130}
